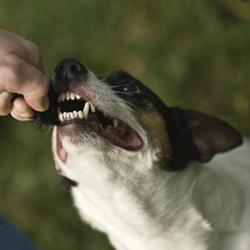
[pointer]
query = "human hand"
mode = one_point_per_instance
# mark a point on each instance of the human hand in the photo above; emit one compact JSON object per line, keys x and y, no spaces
{"x":21,"y":72}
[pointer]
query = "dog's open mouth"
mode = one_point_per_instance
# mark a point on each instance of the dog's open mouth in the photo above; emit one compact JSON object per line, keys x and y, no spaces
{"x":72,"y":108}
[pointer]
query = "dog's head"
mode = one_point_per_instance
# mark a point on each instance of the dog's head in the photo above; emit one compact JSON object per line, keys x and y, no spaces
{"x":120,"y":117}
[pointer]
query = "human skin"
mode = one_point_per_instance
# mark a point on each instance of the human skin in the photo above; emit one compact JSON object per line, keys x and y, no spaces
{"x":22,"y":73}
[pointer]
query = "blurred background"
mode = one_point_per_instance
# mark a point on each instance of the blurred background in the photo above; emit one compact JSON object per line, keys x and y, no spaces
{"x":191,"y":53}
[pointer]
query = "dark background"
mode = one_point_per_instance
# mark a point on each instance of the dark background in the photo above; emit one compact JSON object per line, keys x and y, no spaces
{"x":192,"y":53}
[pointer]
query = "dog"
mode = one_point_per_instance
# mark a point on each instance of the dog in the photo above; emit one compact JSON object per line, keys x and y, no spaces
{"x":138,"y":170}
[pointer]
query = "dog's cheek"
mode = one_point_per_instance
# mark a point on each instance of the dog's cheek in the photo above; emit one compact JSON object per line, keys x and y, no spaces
{"x":156,"y":128}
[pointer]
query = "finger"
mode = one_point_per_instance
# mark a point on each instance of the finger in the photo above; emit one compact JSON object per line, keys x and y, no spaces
{"x":20,"y":77}
{"x":5,"y":103}
{"x":21,"y":111}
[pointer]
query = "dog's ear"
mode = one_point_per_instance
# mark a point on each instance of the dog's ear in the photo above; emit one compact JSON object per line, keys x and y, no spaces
{"x":198,"y":137}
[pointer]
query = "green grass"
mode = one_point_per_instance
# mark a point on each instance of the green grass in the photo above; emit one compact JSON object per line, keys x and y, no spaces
{"x":192,"y":53}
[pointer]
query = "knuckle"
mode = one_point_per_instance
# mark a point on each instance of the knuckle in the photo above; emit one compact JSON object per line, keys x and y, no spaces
{"x":11,"y":60}
{"x":11,"y":75}
{"x":11,"y":71}
{"x":34,"y":50}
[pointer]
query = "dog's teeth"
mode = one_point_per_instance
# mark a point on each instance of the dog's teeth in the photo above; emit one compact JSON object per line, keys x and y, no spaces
{"x":59,"y":114}
{"x":115,"y":123}
{"x":80,"y":114}
{"x":75,"y":114}
{"x":68,"y":96}
{"x":64,"y":115}
{"x":61,"y":117}
{"x":92,"y":108}
{"x":71,"y":115}
{"x":86,"y":110}
{"x":72,"y":96}
{"x":61,"y":98}
{"x":78,"y":97}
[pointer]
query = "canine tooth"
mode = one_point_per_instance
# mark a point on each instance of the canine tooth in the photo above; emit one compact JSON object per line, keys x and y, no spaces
{"x":60,"y":116}
{"x":75,"y":114}
{"x":115,"y":123}
{"x":61,"y":98}
{"x":80,"y":114}
{"x":72,"y":96}
{"x":92,"y":108}
{"x":86,"y":110}
{"x":67,"y":96}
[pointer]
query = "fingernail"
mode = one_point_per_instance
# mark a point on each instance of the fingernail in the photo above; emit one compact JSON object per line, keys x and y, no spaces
{"x":26,"y":119}
{"x":21,"y":117}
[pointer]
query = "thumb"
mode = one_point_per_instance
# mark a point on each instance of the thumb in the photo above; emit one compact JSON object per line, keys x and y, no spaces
{"x":40,"y":104}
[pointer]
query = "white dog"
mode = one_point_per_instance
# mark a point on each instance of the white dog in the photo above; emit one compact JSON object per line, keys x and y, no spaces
{"x":134,"y":165}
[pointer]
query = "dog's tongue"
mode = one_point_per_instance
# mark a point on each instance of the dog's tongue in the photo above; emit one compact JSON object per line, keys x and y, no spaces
{"x":59,"y":148}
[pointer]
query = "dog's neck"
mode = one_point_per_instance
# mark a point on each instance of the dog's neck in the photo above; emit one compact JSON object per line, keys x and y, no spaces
{"x":149,"y":211}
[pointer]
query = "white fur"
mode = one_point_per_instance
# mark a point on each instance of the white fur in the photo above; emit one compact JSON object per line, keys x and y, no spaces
{"x":139,"y":207}
{"x":142,"y":207}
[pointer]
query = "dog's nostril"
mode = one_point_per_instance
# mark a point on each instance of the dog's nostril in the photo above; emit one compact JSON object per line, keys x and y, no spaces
{"x":70,"y":69}
{"x":74,"y":68}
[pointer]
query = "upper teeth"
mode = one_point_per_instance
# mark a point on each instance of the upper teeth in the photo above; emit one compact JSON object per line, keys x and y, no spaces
{"x":68,"y":96}
{"x":81,"y":114}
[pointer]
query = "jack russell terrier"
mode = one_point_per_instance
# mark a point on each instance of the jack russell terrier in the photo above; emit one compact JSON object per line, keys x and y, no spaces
{"x":137,"y":168}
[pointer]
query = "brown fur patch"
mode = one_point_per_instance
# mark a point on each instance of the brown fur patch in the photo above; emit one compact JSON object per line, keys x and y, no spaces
{"x":157,"y":130}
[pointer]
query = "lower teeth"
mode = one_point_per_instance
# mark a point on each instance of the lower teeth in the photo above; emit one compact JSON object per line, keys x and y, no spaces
{"x":66,"y":116}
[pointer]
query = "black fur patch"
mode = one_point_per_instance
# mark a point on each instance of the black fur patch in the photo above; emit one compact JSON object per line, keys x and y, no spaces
{"x":194,"y":136}
{"x":67,"y":183}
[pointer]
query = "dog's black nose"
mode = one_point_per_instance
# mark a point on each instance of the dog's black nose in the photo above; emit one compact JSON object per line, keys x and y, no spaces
{"x":69,"y":69}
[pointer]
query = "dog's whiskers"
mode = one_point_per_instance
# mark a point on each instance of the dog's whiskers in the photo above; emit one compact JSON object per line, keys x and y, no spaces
{"x":123,"y":84}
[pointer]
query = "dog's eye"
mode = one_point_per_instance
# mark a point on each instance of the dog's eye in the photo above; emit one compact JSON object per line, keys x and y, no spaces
{"x":131,"y":88}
